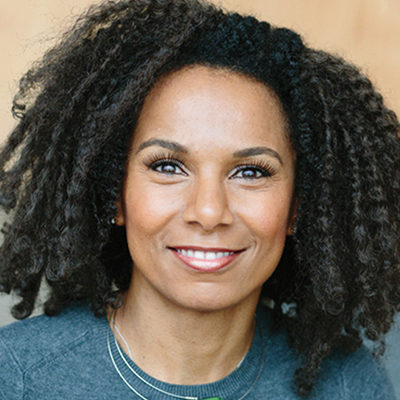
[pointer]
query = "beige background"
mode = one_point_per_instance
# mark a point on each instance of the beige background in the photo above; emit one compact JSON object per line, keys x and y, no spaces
{"x":367,"y":32}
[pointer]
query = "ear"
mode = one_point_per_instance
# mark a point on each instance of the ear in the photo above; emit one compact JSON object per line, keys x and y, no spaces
{"x":292,"y":217}
{"x":119,"y":218}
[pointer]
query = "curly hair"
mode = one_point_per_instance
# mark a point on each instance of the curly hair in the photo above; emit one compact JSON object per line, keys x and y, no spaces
{"x":63,"y":166}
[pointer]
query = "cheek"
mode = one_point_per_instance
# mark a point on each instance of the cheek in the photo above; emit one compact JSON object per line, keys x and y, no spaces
{"x":147,"y":208}
{"x":268,"y":218}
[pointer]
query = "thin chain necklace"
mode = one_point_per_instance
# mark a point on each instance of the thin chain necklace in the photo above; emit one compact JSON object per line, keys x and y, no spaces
{"x":151,"y":385}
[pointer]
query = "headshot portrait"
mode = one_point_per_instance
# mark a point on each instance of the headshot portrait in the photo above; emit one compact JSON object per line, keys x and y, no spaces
{"x":200,"y":201}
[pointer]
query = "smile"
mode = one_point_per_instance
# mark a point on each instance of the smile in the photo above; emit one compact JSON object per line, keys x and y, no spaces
{"x":203,"y":260}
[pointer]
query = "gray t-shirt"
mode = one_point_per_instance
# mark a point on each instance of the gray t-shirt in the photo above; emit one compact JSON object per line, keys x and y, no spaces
{"x":74,"y":356}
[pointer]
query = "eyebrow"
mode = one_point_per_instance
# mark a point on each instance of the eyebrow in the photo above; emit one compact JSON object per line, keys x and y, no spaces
{"x":163,"y":143}
{"x":255,"y":151}
{"x":251,"y":151}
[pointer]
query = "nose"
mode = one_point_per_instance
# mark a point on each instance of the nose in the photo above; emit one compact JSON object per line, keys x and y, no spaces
{"x":208,"y":204}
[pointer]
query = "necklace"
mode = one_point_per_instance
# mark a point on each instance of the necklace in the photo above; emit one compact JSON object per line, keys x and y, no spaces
{"x":151,"y":385}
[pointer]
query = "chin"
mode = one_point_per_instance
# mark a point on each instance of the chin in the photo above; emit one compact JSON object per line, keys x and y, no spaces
{"x":208,"y":302}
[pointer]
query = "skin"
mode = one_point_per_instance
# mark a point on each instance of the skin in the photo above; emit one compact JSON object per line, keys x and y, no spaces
{"x":202,"y":322}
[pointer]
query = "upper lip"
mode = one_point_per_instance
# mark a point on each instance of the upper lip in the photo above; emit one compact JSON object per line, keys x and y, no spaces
{"x":200,"y":248}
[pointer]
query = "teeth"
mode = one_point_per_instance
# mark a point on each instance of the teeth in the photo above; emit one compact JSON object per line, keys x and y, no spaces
{"x":199,"y":254}
{"x":210,"y":256}
{"x":204,"y":255}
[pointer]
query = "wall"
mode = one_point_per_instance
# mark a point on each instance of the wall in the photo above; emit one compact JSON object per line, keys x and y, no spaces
{"x":366,"y":32}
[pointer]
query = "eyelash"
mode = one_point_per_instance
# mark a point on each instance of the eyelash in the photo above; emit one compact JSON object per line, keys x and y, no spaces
{"x":157,"y":159}
{"x":160,"y":159}
{"x":264,"y":168}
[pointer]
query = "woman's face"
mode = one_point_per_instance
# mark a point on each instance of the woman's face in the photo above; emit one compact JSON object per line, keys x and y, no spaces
{"x":208,"y":191}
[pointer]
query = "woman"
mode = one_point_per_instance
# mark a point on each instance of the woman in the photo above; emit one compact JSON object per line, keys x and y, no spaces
{"x":213,"y":207}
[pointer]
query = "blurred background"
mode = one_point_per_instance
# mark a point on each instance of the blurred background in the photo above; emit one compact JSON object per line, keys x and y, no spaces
{"x":365,"y":32}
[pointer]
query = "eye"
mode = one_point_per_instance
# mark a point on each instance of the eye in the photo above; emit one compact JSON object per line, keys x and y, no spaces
{"x":252,"y":171}
{"x":166,"y":164}
{"x":168,"y":167}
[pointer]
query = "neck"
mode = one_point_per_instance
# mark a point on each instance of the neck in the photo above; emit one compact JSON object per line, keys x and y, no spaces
{"x":202,"y":347}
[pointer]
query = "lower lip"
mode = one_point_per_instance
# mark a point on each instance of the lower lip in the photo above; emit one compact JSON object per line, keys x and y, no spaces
{"x":201,"y":265}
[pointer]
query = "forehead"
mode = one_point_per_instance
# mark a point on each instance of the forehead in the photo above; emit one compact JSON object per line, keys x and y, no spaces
{"x":207,"y":102}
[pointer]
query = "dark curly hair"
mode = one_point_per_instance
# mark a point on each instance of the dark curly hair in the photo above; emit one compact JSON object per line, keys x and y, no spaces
{"x":63,"y":166}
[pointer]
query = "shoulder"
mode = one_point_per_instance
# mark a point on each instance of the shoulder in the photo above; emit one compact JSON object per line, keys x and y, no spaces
{"x":357,"y":375}
{"x":343,"y":375}
{"x":32,"y":339}
{"x":38,"y":342}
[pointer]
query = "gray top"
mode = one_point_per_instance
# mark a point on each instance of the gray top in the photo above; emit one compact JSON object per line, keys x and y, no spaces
{"x":69,"y":357}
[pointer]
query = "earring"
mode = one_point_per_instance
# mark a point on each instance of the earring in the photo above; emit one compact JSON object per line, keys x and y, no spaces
{"x":113,"y":221}
{"x":292,"y":228}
